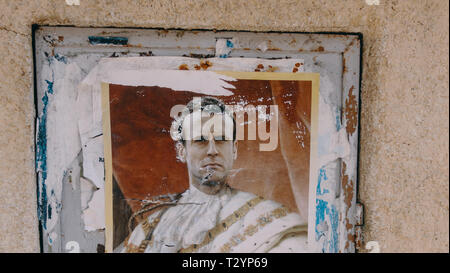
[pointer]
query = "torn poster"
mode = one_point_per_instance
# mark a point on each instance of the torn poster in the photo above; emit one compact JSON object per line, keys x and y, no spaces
{"x":134,"y":71}
{"x":205,"y":161}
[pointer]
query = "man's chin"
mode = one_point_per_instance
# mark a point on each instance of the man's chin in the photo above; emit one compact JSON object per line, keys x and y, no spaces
{"x":211,"y":183}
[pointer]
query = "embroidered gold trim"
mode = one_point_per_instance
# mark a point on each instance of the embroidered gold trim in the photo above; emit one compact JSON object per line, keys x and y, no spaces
{"x":147,"y":227}
{"x":224,"y":225}
{"x":252,"y":229}
{"x":130,"y":248}
{"x":143,"y":246}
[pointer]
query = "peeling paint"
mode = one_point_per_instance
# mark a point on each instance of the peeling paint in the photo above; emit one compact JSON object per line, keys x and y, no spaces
{"x":224,"y":47}
{"x":326,"y":179}
{"x":101,"y":40}
{"x":132,"y":71}
{"x":318,"y":49}
{"x":327,"y":216}
{"x":348,"y":191}
{"x":347,"y":186}
{"x":351,"y":112}
{"x":322,"y":178}
{"x":41,"y":157}
{"x":54,"y":150}
{"x":183,"y":67}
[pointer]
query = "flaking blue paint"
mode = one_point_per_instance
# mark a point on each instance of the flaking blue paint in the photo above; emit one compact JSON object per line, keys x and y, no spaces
{"x":98,"y":40}
{"x":322,"y":177}
{"x":44,"y":208}
{"x":60,"y":58}
{"x":230,"y":45}
{"x":321,"y":207}
{"x":41,"y":157}
{"x":334,"y":238}
{"x":323,"y":210}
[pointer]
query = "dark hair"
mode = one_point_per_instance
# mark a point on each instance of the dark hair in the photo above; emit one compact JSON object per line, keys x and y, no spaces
{"x":205,"y":102}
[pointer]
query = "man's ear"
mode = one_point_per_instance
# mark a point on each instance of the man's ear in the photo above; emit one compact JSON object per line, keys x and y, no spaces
{"x":235,"y":148}
{"x":181,"y":151}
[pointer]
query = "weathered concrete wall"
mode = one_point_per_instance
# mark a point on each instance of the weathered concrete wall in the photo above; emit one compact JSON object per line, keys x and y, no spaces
{"x":404,"y":174}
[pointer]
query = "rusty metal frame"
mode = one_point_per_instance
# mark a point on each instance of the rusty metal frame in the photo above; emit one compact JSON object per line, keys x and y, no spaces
{"x":320,"y":49}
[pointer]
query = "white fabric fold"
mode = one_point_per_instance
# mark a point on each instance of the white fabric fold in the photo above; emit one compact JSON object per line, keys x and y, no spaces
{"x":188,"y":222}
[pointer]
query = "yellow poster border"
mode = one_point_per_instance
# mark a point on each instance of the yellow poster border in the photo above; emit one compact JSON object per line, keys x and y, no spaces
{"x":300,"y":76}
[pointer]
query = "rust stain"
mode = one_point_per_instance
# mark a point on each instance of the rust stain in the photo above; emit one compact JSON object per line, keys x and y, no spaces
{"x":351,"y":112}
{"x":349,"y":46}
{"x":246,"y":48}
{"x":295,"y":69}
{"x":269,"y":68}
{"x":300,"y":50}
{"x":348,"y":226}
{"x":149,"y":53}
{"x":205,"y":64}
{"x":183,"y":67}
{"x":351,"y":238}
{"x":292,"y":42}
{"x":128,"y":45}
{"x":180,"y":34}
{"x":272,"y":68}
{"x":358,"y":239}
{"x":319,"y":49}
{"x":162,"y":32}
{"x":347,"y":185}
{"x":60,"y":38}
{"x":351,"y":43}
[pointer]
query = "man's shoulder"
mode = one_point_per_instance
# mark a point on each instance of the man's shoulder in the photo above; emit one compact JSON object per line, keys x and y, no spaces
{"x":263,"y":223}
{"x":257,"y":208}
{"x":260,"y":202}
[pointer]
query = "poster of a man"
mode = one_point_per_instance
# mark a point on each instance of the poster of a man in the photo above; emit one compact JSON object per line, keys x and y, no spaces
{"x":196,"y":172}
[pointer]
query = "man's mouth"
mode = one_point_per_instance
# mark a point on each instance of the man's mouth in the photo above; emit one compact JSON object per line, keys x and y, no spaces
{"x":212,"y":166}
{"x":211,"y":169}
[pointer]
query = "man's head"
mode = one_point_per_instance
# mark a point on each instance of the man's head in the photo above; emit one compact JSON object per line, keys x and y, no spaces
{"x":206,"y":142}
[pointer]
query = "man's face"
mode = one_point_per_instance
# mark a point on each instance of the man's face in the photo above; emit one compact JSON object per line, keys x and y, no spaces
{"x":210,"y":156}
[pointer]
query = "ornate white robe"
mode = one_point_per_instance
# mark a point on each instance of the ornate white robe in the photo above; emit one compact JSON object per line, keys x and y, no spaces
{"x":230,"y":221}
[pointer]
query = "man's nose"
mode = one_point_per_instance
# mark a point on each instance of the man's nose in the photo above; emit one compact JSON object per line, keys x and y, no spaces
{"x":212,"y":151}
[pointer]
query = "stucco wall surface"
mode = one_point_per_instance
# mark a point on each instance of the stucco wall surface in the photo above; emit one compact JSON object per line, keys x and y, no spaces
{"x":404,"y":174}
